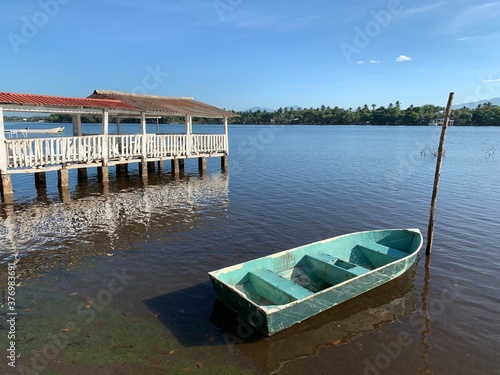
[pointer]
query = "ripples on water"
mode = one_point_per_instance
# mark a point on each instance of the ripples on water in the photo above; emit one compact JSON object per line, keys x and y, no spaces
{"x":288,"y":186}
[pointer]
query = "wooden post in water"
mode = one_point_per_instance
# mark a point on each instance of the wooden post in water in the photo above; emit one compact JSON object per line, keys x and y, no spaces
{"x":430,"y":231}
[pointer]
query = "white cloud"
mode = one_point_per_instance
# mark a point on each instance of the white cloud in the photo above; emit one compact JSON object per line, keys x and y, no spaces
{"x":426,"y":9}
{"x":374,"y":61}
{"x":403,"y":58}
{"x":477,"y":14}
{"x":492,"y":80}
{"x":360,"y":62}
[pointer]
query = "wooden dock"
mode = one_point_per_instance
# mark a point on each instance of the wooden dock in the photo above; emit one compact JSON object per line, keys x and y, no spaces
{"x":62,"y":153}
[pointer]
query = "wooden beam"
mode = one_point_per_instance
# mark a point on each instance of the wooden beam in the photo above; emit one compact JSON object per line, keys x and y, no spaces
{"x":430,"y":231}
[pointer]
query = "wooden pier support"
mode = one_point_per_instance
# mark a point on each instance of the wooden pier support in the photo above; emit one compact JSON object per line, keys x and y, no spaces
{"x":161,"y":164}
{"x":103,"y":173}
{"x":121,"y":170}
{"x":64,"y":195}
{"x":63,"y":178}
{"x":181,"y":165}
{"x":224,"y":165}
{"x":143,"y":169}
{"x":175,"y":167}
{"x":6,"y":185}
{"x":8,"y":204}
{"x":82,"y":174}
{"x":151,"y":166}
{"x":202,"y":165}
{"x":40,"y":180}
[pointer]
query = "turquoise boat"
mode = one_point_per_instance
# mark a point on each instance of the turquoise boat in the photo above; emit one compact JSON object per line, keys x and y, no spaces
{"x":275,"y":292}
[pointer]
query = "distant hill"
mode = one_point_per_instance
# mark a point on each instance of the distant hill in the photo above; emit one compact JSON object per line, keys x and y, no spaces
{"x":255,"y":109}
{"x":494,"y":101}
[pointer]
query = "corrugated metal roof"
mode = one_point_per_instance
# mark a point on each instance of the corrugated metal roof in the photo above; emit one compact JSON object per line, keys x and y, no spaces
{"x":35,"y":99}
{"x":120,"y":101}
{"x":164,"y":104}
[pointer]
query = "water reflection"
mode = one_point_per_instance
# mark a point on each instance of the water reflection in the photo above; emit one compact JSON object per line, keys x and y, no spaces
{"x":425,"y":310}
{"x":333,"y":327}
{"x":46,"y":233}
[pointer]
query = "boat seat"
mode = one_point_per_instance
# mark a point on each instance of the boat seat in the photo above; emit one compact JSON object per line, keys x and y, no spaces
{"x":380,"y":255}
{"x":276,"y":288}
{"x":334,"y":270}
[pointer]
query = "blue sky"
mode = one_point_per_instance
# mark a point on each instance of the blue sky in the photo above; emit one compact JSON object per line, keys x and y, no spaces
{"x":237,"y":54}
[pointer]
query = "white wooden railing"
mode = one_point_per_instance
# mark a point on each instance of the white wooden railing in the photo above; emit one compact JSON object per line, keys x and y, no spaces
{"x":208,"y":143}
{"x":40,"y":152}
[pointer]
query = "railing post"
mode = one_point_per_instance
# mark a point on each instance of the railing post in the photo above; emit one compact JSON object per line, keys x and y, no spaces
{"x":224,"y":162}
{"x":189,"y":130}
{"x":6,"y":183}
{"x":226,"y":129}
{"x":3,"y":149}
{"x":77,"y":125}
{"x":104,"y":175}
{"x":144,"y":151}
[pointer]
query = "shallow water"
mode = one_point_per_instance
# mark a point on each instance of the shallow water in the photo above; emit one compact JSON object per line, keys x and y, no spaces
{"x":115,"y":280}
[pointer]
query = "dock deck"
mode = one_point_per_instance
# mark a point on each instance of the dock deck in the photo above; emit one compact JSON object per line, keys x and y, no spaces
{"x":61,"y":153}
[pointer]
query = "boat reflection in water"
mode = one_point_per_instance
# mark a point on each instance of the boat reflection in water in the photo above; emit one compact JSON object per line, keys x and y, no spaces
{"x":45,"y":233}
{"x":335,"y":326}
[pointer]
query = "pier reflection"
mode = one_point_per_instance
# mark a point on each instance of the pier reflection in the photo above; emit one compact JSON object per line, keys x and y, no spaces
{"x":45,"y":233}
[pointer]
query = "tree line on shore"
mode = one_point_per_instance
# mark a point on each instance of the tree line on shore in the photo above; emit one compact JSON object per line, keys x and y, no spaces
{"x":483,"y":115}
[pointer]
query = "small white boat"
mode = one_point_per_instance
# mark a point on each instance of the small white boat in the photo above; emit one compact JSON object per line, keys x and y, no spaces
{"x":14,"y":133}
{"x":440,"y":122}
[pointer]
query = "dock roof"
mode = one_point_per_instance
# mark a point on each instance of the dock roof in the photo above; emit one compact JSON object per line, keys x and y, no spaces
{"x":116,"y":103}
{"x":164,"y":105}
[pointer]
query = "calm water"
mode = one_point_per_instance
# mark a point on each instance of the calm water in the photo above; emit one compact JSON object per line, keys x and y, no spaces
{"x":114,"y":281}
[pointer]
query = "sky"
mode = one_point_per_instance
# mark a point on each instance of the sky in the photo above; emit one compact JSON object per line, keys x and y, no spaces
{"x":239,"y":54}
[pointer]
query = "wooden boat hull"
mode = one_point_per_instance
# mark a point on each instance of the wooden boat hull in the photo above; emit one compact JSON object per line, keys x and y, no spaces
{"x":275,"y":292}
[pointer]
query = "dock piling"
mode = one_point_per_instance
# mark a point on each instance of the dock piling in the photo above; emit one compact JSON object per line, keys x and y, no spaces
{"x":175,"y":167}
{"x":63,"y":178}
{"x":6,"y":185}
{"x":202,"y":165}
{"x":40,"y":180}
{"x":224,"y":164}
{"x":82,"y":174}
{"x":103,"y":173}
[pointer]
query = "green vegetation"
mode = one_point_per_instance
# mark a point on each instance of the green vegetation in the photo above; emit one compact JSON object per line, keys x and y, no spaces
{"x":483,"y":115}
